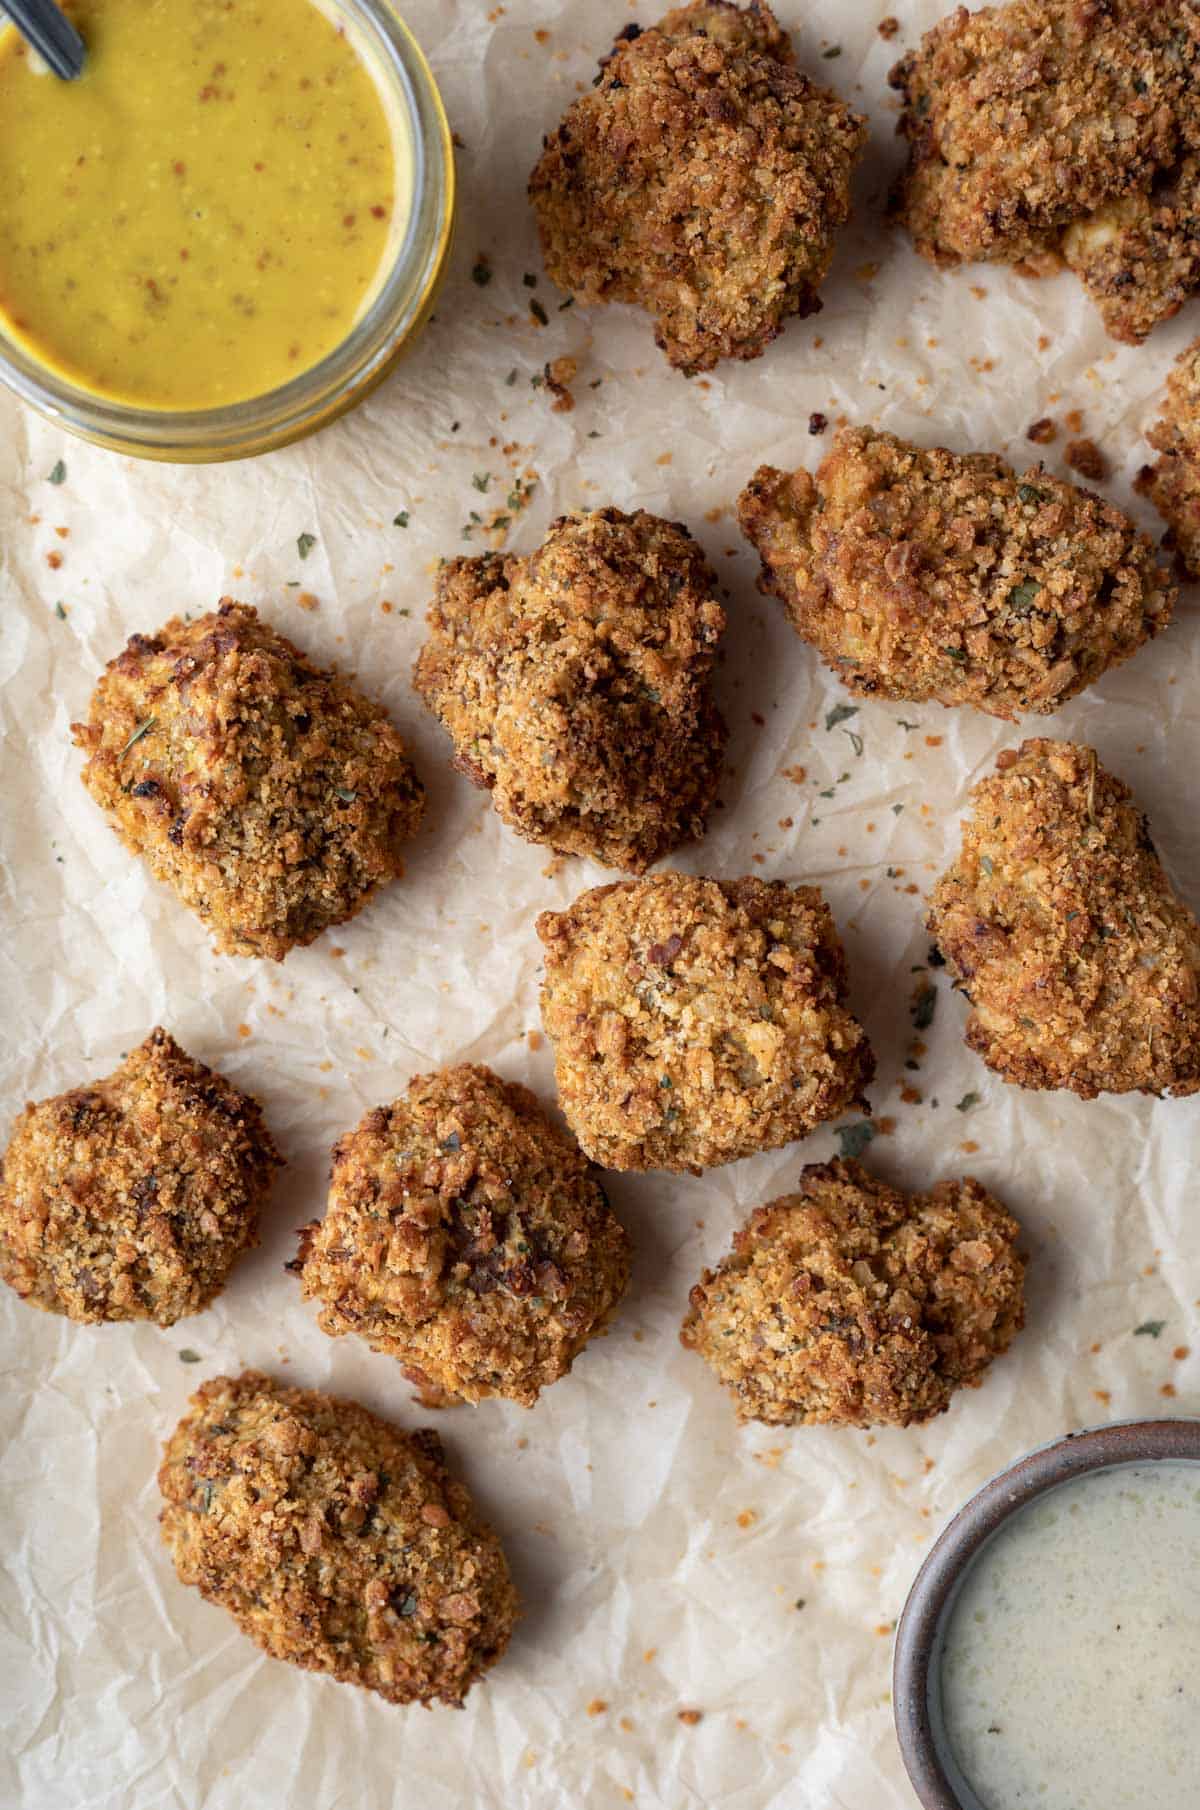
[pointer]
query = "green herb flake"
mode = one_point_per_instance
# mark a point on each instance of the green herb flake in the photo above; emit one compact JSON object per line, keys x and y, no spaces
{"x":1029,"y":493}
{"x":665,"y":1081}
{"x":141,"y":730}
{"x":835,"y":50}
{"x":1021,"y":597}
{"x":481,"y":480}
{"x":924,"y":1006}
{"x":407,"y":1606}
{"x":988,"y":865}
{"x":966,"y":1103}
{"x":956,"y":653}
{"x":511,"y":378}
{"x":453,"y":1142}
{"x":569,"y":303}
{"x":841,"y":713}
{"x":856,"y":741}
{"x":481,"y":272}
{"x":346,"y":796}
{"x":905,"y":724}
{"x":539,"y":313}
{"x":60,"y":612}
{"x":305,"y":544}
{"x":188,"y":1356}
{"x":59,"y":473}
{"x":1149,"y":1329}
{"x":401,"y":520}
{"x":529,"y":280}
{"x":853,"y":1139}
{"x":896,"y":809}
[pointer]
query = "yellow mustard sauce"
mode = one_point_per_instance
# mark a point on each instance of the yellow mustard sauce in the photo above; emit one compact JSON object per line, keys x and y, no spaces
{"x":206,"y":211}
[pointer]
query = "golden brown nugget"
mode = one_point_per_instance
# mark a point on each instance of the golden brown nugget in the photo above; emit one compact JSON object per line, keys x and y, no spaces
{"x":1173,"y":484}
{"x":133,"y":1198}
{"x":1081,"y":964}
{"x":925,"y":575}
{"x":467,"y":1237}
{"x":268,"y":792}
{"x":697,"y":1021}
{"x":1051,"y":127}
{"x":335,"y":1540}
{"x":576,"y":684}
{"x":703,"y":179}
{"x":850,"y":1303}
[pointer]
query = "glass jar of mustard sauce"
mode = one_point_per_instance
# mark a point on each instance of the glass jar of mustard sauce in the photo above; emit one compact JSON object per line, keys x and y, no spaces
{"x":410,"y":259}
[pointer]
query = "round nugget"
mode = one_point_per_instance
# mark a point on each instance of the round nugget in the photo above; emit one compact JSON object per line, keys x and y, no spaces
{"x":132,"y":1199}
{"x":335,"y":1540}
{"x":703,"y":178}
{"x":467,"y":1237}
{"x":576,"y":684}
{"x":697,"y":1021}
{"x":849,"y":1303}
{"x":269,"y":793}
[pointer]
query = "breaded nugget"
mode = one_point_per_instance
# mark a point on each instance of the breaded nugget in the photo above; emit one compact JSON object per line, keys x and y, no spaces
{"x":1057,"y":920}
{"x":335,"y":1540}
{"x":703,"y":178}
{"x":1173,"y":484}
{"x":133,"y":1198}
{"x":1044,"y":118}
{"x":929,"y":575}
{"x":697,"y":1021}
{"x":576,"y":684}
{"x":269,"y":793}
{"x":467,"y":1237}
{"x":848,"y":1302}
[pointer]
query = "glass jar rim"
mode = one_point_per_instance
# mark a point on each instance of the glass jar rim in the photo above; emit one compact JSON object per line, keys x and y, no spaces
{"x":356,"y":365}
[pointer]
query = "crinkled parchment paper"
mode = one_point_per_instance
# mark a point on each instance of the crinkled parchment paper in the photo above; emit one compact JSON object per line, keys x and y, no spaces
{"x":668,"y":1561}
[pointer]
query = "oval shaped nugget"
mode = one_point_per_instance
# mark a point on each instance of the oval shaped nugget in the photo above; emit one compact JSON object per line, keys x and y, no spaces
{"x":924,"y":575}
{"x":335,"y":1541}
{"x":268,"y":792}
{"x":849,"y":1303}
{"x":697,"y":1021}
{"x":703,"y":178}
{"x":133,"y":1198}
{"x":468,"y":1237}
{"x":577,"y":684}
{"x":1081,"y":963}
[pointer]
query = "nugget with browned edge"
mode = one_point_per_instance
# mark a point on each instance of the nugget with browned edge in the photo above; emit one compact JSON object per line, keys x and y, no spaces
{"x":467,"y":1237}
{"x":1081,"y":963}
{"x":576,"y":684}
{"x":697,"y":1021}
{"x":703,"y":178}
{"x":335,"y":1540}
{"x":1173,"y":484}
{"x":1046,"y":131}
{"x":268,"y":792}
{"x":925,"y":575}
{"x":850,"y":1303}
{"x":133,"y":1198}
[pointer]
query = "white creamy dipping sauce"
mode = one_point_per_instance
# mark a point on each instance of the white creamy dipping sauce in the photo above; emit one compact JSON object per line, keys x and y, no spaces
{"x":1070,"y":1667}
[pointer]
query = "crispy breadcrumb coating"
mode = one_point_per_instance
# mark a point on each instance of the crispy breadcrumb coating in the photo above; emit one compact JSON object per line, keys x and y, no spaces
{"x":335,"y":1540}
{"x":576,"y":684}
{"x":1046,"y":128}
{"x":929,"y":575}
{"x":133,"y":1198}
{"x":1173,"y":484}
{"x":697,"y":1021}
{"x":1057,"y":920}
{"x":703,"y":178}
{"x":848,"y":1302}
{"x":268,"y":792}
{"x":468,"y":1237}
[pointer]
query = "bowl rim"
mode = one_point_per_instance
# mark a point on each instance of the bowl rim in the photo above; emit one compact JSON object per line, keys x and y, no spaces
{"x":400,"y":305}
{"x":918,"y":1632}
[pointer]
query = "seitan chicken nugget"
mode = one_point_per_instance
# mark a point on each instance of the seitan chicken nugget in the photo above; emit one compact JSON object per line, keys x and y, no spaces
{"x":576,"y":684}
{"x":335,"y":1540}
{"x":697,"y":1021}
{"x":1046,"y":128}
{"x":928,"y":575}
{"x":703,"y":178}
{"x":1080,"y":962}
{"x":268,"y":792}
{"x":468,"y":1237}
{"x":1173,"y":484}
{"x":133,"y":1198}
{"x":848,"y":1302}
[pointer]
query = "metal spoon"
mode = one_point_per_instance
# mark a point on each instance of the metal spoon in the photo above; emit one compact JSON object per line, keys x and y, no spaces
{"x":42,"y":24}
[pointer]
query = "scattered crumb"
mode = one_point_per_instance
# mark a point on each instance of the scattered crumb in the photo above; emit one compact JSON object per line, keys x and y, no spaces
{"x":597,"y":1706}
{"x":691,"y":1716}
{"x":307,"y":601}
{"x":1042,"y":432}
{"x":1085,"y":457}
{"x":887,"y":28}
{"x":797,"y":775}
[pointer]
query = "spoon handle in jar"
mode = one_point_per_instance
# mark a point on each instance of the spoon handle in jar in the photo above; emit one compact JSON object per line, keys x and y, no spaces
{"x":42,"y":24}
